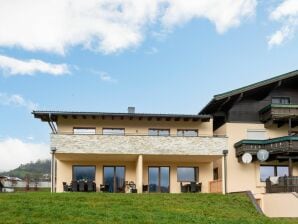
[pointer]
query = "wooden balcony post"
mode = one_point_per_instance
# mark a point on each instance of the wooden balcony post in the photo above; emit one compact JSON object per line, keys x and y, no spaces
{"x":290,"y":167}
{"x":290,"y":127}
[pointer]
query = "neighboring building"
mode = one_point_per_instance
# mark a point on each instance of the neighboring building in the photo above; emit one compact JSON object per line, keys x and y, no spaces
{"x":263,"y":115}
{"x":162,"y":152}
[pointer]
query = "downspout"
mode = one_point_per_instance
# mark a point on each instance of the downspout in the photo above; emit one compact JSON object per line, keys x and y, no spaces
{"x":225,"y":153}
{"x":53,"y":169}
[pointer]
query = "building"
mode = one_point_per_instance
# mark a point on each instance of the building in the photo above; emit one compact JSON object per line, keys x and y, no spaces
{"x":261,"y":118}
{"x":156,"y":152}
{"x":242,"y":140}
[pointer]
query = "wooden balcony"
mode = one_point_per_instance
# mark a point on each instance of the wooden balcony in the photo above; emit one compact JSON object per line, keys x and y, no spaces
{"x":285,"y":184}
{"x":278,"y":113}
{"x":276,"y":146}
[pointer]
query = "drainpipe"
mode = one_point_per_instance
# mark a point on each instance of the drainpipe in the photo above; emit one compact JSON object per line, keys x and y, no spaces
{"x":225,"y":153}
{"x":53,"y":176}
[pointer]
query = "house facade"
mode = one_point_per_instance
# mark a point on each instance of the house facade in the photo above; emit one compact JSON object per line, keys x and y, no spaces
{"x":156,"y":152}
{"x":242,"y":140}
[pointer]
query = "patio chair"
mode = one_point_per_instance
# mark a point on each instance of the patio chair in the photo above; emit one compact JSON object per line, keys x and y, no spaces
{"x":81,"y":186}
{"x":65,"y":187}
{"x":194,"y":187}
{"x":74,"y":186}
{"x":145,"y":188}
{"x":184,"y":188}
{"x":104,"y":187}
{"x":91,"y":186}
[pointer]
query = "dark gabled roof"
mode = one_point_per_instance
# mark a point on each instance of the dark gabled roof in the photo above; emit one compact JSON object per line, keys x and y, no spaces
{"x":255,"y":86}
{"x":52,"y":115}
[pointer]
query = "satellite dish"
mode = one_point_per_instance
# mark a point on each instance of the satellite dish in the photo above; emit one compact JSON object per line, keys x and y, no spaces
{"x":246,"y":158}
{"x":262,"y":155}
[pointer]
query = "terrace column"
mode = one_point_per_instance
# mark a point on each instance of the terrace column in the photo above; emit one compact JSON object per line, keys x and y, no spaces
{"x":224,"y":172}
{"x":53,"y":169}
{"x":139,"y":174}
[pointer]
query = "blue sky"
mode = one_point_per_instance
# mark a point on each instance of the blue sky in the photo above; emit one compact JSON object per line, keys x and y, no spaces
{"x":160,"y":56}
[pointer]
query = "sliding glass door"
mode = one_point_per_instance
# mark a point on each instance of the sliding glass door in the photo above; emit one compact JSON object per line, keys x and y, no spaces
{"x":114,"y":178}
{"x":159,"y":179}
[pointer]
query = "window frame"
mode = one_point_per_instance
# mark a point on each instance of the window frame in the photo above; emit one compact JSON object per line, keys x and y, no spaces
{"x":158,"y":130}
{"x":280,"y":98}
{"x":183,"y":130}
{"x":274,"y":170}
{"x":73,"y":173}
{"x":196,"y":173}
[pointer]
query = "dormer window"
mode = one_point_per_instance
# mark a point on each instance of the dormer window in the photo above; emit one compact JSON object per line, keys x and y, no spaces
{"x":281,"y":100}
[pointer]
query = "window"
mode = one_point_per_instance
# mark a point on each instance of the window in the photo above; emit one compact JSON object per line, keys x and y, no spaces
{"x":187,"y":132}
{"x":256,"y":134}
{"x":159,"y":179}
{"x":215,"y":173}
{"x":114,"y":178}
{"x":281,"y":100}
{"x":83,"y":173}
{"x":187,"y":174}
{"x":113,"y":131}
{"x":271,"y":171}
{"x":84,"y":131}
{"x":159,"y":132}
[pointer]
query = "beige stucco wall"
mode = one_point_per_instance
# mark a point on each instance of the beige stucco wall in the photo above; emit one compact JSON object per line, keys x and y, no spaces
{"x":243,"y":177}
{"x":134,"y":126}
{"x":280,"y":204}
{"x":64,"y":172}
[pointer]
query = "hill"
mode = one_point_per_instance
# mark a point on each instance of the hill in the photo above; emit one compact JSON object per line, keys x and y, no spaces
{"x":35,"y":170}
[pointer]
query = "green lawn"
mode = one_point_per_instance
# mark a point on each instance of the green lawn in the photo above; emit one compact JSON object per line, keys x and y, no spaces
{"x":41,"y":207}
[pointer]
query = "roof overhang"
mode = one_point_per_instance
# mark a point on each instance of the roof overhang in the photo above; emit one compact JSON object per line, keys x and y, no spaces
{"x":52,"y":116}
{"x":224,"y":98}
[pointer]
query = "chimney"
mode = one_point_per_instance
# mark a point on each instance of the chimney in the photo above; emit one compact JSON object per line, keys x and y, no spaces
{"x":131,"y":110}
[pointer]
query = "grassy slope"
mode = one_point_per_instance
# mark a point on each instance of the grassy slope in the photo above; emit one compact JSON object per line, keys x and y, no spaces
{"x":129,"y":208}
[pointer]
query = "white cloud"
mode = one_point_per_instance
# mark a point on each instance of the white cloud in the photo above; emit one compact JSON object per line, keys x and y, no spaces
{"x":12,"y":66}
{"x":106,"y":25}
{"x":15,"y":152}
{"x":287,"y":14}
{"x":16,"y":100}
{"x":104,"y":76}
{"x":223,"y":13}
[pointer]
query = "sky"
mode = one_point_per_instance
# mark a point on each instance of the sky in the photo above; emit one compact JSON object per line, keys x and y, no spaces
{"x":161,"y":56}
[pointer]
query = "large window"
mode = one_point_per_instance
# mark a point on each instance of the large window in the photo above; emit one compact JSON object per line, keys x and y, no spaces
{"x":83,"y":173}
{"x":187,"y":174}
{"x":187,"y":132}
{"x":159,"y":132}
{"x":281,"y":100}
{"x":113,"y":131}
{"x":272,"y":171}
{"x":84,"y":131}
{"x":114,"y":178}
{"x":159,"y":179}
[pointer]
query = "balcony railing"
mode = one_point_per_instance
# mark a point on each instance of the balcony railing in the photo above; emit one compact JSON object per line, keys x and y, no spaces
{"x":215,"y":186}
{"x":138,"y":144}
{"x":278,"y":112}
{"x":285,"y":184}
{"x":286,"y":144}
